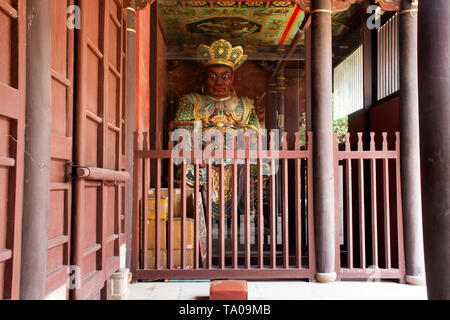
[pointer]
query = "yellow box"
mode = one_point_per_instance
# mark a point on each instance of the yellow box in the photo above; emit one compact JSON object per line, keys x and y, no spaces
{"x":177,"y":258}
{"x":151,"y":259}
{"x":152,"y":234}
{"x":190,"y":231}
{"x":164,"y":201}
{"x":177,"y":201}
{"x":177,"y":222}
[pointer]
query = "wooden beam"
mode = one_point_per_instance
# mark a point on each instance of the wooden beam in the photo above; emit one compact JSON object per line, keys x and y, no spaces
{"x":282,"y":63}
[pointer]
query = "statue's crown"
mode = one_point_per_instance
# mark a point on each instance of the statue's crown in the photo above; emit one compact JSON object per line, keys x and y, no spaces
{"x":221,"y":52}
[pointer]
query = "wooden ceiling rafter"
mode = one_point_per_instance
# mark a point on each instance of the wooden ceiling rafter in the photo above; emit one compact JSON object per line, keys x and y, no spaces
{"x":389,"y":5}
{"x":282,"y":63}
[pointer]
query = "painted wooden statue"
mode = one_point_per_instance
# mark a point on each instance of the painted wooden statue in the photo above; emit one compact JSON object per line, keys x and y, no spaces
{"x":219,"y":108}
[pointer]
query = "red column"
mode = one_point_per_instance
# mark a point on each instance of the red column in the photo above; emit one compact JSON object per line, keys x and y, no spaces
{"x":36,"y":204}
{"x":142,"y":69}
{"x":130,"y":110}
{"x":322,"y":119}
{"x":410,"y":150}
{"x":434,"y":115}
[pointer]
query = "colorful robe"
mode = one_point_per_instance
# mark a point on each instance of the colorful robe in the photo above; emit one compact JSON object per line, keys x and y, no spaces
{"x":201,"y":112}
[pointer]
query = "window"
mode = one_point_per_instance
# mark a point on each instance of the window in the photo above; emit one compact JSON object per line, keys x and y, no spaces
{"x":388,"y":58}
{"x":348,"y":85}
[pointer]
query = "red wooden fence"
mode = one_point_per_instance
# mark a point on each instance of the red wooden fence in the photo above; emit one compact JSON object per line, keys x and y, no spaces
{"x":369,"y":225}
{"x":263,"y":254}
{"x":372,"y":243}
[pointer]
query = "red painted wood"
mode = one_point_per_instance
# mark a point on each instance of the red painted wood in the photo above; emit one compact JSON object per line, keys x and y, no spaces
{"x":312,"y":252}
{"x":273,"y":208}
{"x":248,"y":274}
{"x":235,"y":235}
{"x":387,"y":224}
{"x":247,"y":204}
{"x":98,"y":143}
{"x":400,"y":232}
{"x":12,"y":119}
{"x":260,"y":209}
{"x":373,"y":180}
{"x":142,"y":69}
{"x":171,"y":206}
{"x":184,"y":216}
{"x":145,"y":188}
{"x":197,"y":213}
{"x":222,"y":214}
{"x":285,"y":200}
{"x":158,"y":215}
{"x":298,"y":210}
{"x":361,"y":199}
{"x":388,"y":270}
{"x":209,"y":209}
{"x":349,"y":214}
{"x":137,"y":196}
{"x":243,"y":260}
{"x":337,"y":255}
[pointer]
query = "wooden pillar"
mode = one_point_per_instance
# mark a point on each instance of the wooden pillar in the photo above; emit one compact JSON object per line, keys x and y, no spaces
{"x":155,"y":125}
{"x":281,"y":104}
{"x":434,"y":115}
{"x":322,"y":119}
{"x":130,"y":110}
{"x":281,"y":98}
{"x":36,"y":197}
{"x":271,"y":110}
{"x":410,"y":149}
{"x":308,"y":78}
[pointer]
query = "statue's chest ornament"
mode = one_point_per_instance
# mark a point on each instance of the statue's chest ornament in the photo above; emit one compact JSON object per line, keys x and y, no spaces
{"x":221,"y":112}
{"x":221,"y":115}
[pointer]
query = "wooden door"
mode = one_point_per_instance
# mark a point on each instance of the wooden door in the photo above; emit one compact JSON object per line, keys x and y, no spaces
{"x":12,"y":119}
{"x":98,"y":190}
{"x":58,"y":258}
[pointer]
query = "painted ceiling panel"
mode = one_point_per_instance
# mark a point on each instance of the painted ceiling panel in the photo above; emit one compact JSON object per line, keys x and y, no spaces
{"x":265,"y":29}
{"x":247,"y":23}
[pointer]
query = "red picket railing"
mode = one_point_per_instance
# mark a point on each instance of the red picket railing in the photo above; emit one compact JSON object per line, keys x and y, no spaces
{"x":185,"y":241}
{"x":179,"y":243}
{"x":369,"y":222}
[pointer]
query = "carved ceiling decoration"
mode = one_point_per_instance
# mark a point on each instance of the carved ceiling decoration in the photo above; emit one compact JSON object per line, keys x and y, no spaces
{"x":265,"y":29}
{"x":246,"y":23}
{"x":305,"y":5}
{"x":341,"y":5}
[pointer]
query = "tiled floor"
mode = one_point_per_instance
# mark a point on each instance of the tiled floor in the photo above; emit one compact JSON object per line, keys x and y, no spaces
{"x":282,"y":290}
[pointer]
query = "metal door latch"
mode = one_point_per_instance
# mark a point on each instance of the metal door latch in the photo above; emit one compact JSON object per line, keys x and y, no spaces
{"x":72,"y":171}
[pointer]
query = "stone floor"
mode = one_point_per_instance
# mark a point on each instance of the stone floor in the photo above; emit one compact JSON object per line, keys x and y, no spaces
{"x":282,"y":290}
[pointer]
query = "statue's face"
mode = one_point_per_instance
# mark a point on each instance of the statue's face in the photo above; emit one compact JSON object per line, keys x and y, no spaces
{"x":219,"y":80}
